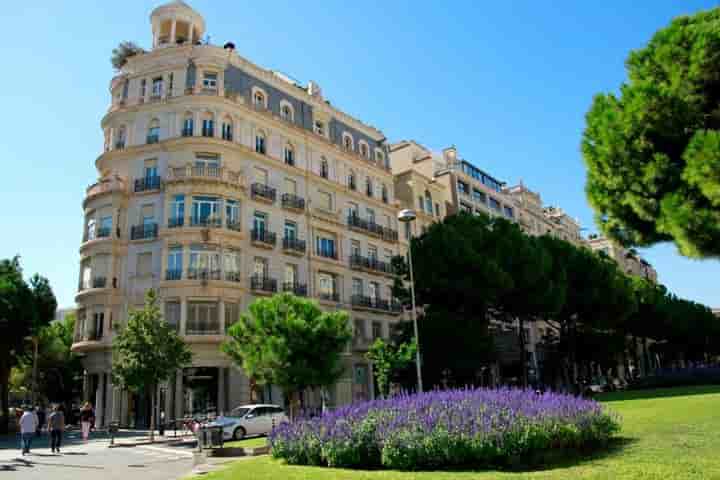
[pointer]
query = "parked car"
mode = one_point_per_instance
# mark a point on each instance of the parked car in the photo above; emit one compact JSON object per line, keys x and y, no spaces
{"x":250,"y":420}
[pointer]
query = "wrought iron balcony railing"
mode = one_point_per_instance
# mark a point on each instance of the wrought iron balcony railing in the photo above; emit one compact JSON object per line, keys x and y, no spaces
{"x":369,"y":263}
{"x":173,"y":275}
{"x":203,"y":274}
{"x":295,"y":288}
{"x":292,"y":201}
{"x":147,"y":184}
{"x":145,"y":231}
{"x":294,"y":245}
{"x":263,"y":284}
{"x":263,"y":236}
{"x":262,"y":191}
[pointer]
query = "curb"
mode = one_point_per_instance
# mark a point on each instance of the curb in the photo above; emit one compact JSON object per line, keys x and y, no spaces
{"x":239,"y":452}
{"x":148,"y":442}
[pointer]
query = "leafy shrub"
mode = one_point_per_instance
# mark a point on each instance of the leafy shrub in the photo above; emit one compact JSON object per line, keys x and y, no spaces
{"x":445,"y":429}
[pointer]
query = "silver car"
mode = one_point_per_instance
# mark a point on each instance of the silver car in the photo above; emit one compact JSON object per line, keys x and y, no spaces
{"x":245,"y":420}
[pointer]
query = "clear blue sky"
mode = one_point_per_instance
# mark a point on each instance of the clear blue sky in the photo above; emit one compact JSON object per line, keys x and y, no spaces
{"x":507,"y":82}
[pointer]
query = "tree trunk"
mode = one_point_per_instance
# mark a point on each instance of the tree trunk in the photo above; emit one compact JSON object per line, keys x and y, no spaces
{"x":4,"y":393}
{"x":646,"y":358}
{"x":152,"y":414}
{"x":636,"y":360}
{"x":523,"y":360}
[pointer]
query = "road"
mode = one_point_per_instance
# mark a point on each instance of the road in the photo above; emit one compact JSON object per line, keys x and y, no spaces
{"x":93,"y":461}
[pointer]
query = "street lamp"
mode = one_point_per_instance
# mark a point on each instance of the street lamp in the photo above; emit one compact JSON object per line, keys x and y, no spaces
{"x":407,"y":216}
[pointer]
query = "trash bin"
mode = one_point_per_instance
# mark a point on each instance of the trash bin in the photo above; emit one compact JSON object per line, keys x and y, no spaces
{"x":210,"y":436}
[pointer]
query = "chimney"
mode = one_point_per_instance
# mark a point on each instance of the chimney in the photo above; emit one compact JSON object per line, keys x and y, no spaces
{"x":450,"y":155}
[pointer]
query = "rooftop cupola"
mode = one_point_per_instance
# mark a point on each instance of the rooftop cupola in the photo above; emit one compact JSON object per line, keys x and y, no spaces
{"x":176,"y":23}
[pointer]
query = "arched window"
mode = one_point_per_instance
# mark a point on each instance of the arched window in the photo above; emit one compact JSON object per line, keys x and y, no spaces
{"x":352,"y":183}
{"x":324,"y":169}
{"x":286,"y":111}
{"x":368,"y":187}
{"x":428,"y":202}
{"x":347,"y":142}
{"x":259,"y":99}
{"x":384,"y":194}
{"x":208,"y":125}
{"x":364,"y":150}
{"x":319,"y":128}
{"x":153,"y":133}
{"x":380,"y":158}
{"x":227,"y":129}
{"x":188,"y":129}
{"x":289,"y":154}
{"x":260,"y":143}
{"x":121,"y":138}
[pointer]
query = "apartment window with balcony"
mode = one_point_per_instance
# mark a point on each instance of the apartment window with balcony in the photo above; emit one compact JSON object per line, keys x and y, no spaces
{"x":147,"y":216}
{"x":232,"y":314}
{"x":357,"y":287}
{"x":260,"y":267}
{"x":153,"y":133}
{"x":260,"y":222}
{"x":261,"y":176}
{"x":208,"y":127}
{"x":289,"y":155}
{"x":373,"y":290}
{"x":376,"y":330}
{"x":177,"y":211}
{"x":372,"y":252}
{"x":325,"y":246}
{"x":327,"y":286}
{"x":204,"y":263}
{"x":205,"y":211}
{"x":260,"y":143}
{"x":227,"y":131}
{"x":291,"y":274}
{"x":231,"y":265}
{"x":324,"y":168}
{"x":319,"y":128}
{"x":207,"y":164}
{"x":479,"y":196}
{"x":157,"y":87}
{"x":368,"y":187}
{"x":174,"y":263}
{"x":150,"y":169}
{"x":188,"y":126}
{"x":120,"y":140}
{"x":202,"y":318}
{"x":353,"y":210}
{"x":144,"y":264}
{"x":370,"y":215}
{"x":291,"y":230}
{"x":105,"y":227}
{"x":355,"y":250}
{"x":232,"y":214}
{"x":352,"y":183}
{"x":428,"y":203}
{"x":359,"y":328}
{"x":290,"y":186}
{"x":325,"y":201}
{"x":463,"y":187}
{"x":172,"y":314}
{"x":384,"y":194}
{"x":86,"y":276}
{"x":210,"y":80}
{"x":98,"y":324}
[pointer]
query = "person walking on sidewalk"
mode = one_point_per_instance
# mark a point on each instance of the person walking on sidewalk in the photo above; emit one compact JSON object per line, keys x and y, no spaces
{"x":56,"y":427}
{"x":86,"y":420}
{"x":28,"y":425}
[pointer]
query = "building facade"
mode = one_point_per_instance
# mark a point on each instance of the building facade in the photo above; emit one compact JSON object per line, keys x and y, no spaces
{"x":629,"y":261}
{"x":221,"y":182}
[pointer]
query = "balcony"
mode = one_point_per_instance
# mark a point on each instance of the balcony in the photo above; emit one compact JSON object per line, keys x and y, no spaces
{"x":103,"y":232}
{"x":209,"y":326}
{"x":186,"y":132}
{"x":293,"y":202}
{"x":172,"y":275}
{"x":371,"y":303}
{"x":99,"y":282}
{"x":263,"y":193}
{"x":264,"y":284}
{"x":205,"y":173}
{"x":263,"y":238}
{"x":360,"y":224}
{"x":294,"y":246}
{"x":329,"y":296}
{"x":206,"y":222}
{"x":232,"y":277}
{"x":107,"y":185}
{"x":327,"y":253}
{"x":147,"y":184}
{"x":370,"y":264}
{"x":120,"y":145}
{"x":176,"y":222}
{"x":151,"y":139}
{"x":146,"y":231}
{"x":234,"y":225}
{"x":203,"y":274}
{"x":295,"y":288}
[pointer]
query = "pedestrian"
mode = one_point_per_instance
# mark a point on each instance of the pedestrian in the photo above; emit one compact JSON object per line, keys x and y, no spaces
{"x":28,"y":425}
{"x":40,"y":412}
{"x":56,"y":427}
{"x":86,"y":420}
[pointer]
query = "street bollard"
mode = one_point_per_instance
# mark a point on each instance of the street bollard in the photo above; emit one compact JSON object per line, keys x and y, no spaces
{"x":113,"y":428}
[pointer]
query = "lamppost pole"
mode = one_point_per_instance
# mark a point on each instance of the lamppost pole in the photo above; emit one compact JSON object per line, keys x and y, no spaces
{"x":408,"y":216}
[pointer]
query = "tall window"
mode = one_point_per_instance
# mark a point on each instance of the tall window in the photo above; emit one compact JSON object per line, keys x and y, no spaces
{"x":259,"y":99}
{"x":364,"y":150}
{"x":175,"y":262}
{"x":428,"y":203}
{"x":355,"y":250}
{"x":232,"y":314}
{"x":324,"y":169}
{"x":91,"y":229}
{"x":120,"y":140}
{"x":231,"y":265}
{"x":177,"y":210}
{"x":147,"y":215}
{"x":373,"y":290}
{"x":227,"y":130}
{"x":353,"y":210}
{"x":153,"y":133}
{"x":291,"y":274}
{"x":289,"y":154}
{"x":376,"y":330}
{"x":260,"y":222}
{"x":261,"y":176}
{"x":204,"y":259}
{"x":172,"y":314}
{"x":208,"y":127}
{"x":326,"y":201}
{"x":188,"y":126}
{"x":260,"y":143}
{"x":286,"y":113}
{"x":352,"y":184}
{"x":260,"y":267}
{"x":325,"y":245}
{"x":150,"y":169}
{"x":232,"y":213}
{"x":105,"y":228}
{"x":319,"y":128}
{"x":290,"y":230}
{"x":157,"y":87}
{"x":357,"y":287}
{"x":290,"y":186}
{"x":368,"y":187}
{"x":205,"y":210}
{"x":370,"y":215}
{"x":327,"y":285}
{"x":372,"y":252}
{"x":210,"y":80}
{"x":143,"y":88}
{"x":384,"y":194}
{"x":347,"y":142}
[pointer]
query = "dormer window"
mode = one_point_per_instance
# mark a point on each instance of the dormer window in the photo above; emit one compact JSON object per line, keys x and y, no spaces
{"x":319,"y":128}
{"x":210,"y":81}
{"x":379,"y":157}
{"x":286,"y":111}
{"x":364,"y":151}
{"x":347,"y":142}
{"x":258,"y":99}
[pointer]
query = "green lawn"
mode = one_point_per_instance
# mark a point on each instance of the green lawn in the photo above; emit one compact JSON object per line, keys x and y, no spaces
{"x":248,"y":443}
{"x":667,"y":434}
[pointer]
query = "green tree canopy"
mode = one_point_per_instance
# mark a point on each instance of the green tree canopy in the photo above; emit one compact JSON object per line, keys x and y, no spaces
{"x":122,"y":52}
{"x":388,"y":360}
{"x":653,"y":151}
{"x":290,"y":342}
{"x":147,"y":352}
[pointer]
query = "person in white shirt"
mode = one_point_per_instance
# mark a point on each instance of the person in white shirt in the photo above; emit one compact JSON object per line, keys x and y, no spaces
{"x":28,"y":426}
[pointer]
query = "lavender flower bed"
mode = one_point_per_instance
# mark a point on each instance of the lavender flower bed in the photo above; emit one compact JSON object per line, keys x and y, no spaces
{"x":445,"y":429}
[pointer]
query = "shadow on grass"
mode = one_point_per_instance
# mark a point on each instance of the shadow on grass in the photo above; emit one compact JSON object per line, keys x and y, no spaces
{"x":657,"y":393}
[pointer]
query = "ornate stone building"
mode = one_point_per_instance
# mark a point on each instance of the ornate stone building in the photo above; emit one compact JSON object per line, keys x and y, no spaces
{"x":221,"y":182}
